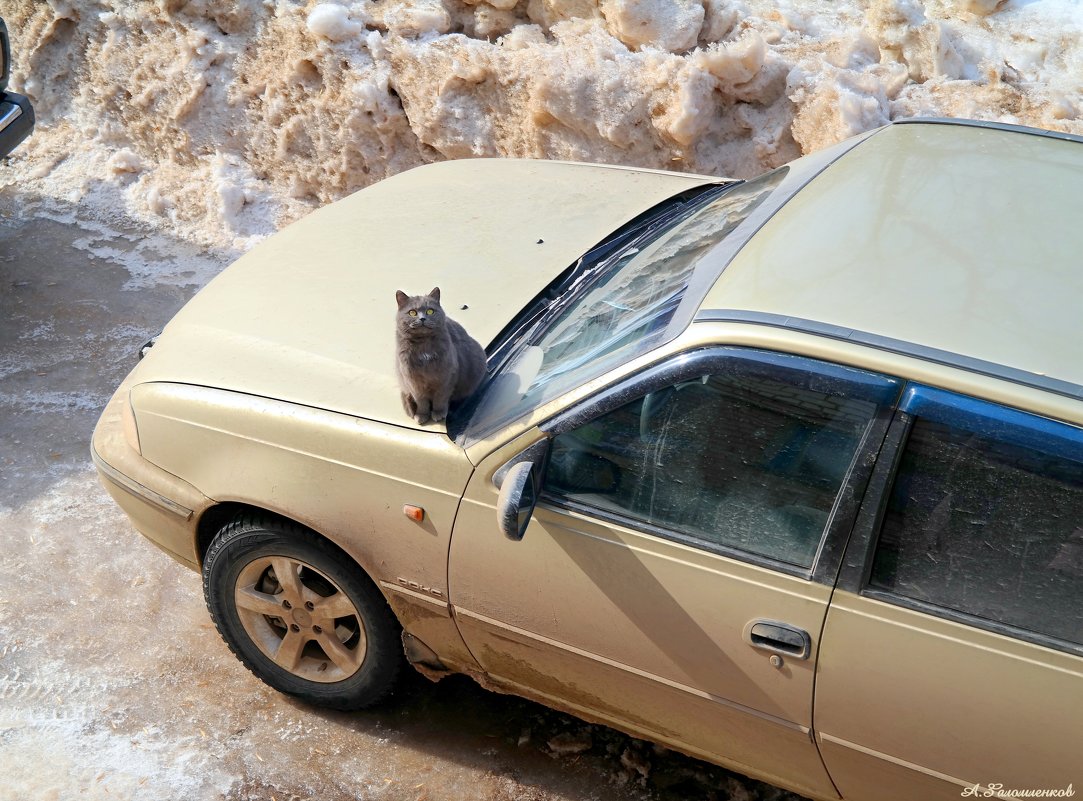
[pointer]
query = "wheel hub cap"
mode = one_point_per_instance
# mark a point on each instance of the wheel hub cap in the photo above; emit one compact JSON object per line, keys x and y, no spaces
{"x":300,"y":619}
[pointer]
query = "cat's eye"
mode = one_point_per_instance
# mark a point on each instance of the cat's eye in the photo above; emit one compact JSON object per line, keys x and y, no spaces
{"x":413,"y":312}
{"x":429,"y":311}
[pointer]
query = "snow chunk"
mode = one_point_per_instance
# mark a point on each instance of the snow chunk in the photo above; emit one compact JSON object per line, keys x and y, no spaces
{"x":156,"y":202}
{"x":984,"y":6}
{"x":672,"y":25}
{"x":734,"y":62}
{"x":548,"y":13}
{"x":834,"y":104}
{"x":523,"y":36}
{"x":719,"y":19}
{"x":418,"y":18}
{"x":569,"y":743}
{"x":906,"y":36}
{"x":332,"y":22}
{"x":125,"y":160}
{"x":243,"y":202}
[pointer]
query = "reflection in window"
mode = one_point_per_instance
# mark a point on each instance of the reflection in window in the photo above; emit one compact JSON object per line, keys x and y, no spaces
{"x":746,"y":460}
{"x":986,"y":527}
{"x":619,"y":308}
{"x":644,"y":284}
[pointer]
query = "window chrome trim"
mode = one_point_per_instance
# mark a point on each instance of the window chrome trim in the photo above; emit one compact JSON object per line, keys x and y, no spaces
{"x":139,"y":490}
{"x":899,"y":346}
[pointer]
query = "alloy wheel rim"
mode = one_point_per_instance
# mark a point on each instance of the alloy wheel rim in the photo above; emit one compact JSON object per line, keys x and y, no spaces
{"x":300,"y":619}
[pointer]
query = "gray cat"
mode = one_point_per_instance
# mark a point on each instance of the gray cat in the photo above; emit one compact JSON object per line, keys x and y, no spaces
{"x":438,"y":362}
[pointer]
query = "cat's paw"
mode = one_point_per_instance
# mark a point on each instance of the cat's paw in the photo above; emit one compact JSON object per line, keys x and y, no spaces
{"x":423,"y":419}
{"x":439,"y":416}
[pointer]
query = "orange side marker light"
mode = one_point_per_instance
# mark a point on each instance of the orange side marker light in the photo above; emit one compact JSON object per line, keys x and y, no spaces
{"x":415,"y":513}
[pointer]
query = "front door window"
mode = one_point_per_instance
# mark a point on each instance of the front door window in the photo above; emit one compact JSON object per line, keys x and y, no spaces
{"x":748,"y":456}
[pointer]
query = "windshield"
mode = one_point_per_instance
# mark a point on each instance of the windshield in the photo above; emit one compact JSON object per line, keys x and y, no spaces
{"x":614,"y":310}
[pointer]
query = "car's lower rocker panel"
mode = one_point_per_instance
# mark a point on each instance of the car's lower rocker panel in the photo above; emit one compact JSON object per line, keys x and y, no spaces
{"x":522,"y":634}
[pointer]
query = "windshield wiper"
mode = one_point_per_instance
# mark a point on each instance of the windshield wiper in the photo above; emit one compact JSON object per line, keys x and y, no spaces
{"x":587,"y":269}
{"x":557,"y":290}
{"x":601,"y":259}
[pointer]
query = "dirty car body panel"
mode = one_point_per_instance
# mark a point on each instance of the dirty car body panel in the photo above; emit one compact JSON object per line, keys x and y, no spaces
{"x":752,"y":473}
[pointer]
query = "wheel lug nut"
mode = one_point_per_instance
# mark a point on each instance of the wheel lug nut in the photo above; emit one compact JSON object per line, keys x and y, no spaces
{"x":294,"y":627}
{"x":287,"y":604}
{"x":318,"y":629}
{"x":309,"y":605}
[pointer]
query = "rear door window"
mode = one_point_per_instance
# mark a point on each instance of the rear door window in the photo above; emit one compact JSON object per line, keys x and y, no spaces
{"x":985,"y":517}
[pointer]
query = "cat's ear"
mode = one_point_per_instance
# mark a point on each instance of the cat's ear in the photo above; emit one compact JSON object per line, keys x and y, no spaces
{"x":402,"y":298}
{"x":435,"y":294}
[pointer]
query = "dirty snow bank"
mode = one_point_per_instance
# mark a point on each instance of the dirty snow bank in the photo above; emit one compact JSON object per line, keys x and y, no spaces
{"x":225,"y":121}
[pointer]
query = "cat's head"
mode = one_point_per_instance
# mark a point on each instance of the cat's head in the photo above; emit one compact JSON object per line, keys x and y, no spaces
{"x":420,"y":315}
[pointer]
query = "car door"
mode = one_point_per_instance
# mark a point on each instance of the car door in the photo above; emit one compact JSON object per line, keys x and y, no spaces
{"x":951,"y":662}
{"x":675,"y":574}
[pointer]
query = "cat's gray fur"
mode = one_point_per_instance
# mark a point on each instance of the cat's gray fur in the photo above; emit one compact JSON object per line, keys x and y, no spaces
{"x":438,"y":362}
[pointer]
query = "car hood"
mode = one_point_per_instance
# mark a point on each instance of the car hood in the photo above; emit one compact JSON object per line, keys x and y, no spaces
{"x":308,"y":315}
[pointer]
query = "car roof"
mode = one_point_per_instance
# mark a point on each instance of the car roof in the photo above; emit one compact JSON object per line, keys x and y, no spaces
{"x":962,"y":240}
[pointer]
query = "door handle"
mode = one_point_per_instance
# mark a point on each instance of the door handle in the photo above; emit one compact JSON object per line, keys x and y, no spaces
{"x":781,"y":638}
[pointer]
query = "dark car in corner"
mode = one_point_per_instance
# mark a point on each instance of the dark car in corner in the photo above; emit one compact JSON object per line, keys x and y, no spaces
{"x":16,"y":113}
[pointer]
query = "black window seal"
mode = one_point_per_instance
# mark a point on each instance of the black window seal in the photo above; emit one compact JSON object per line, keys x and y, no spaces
{"x":828,"y":562}
{"x":857,"y":561}
{"x":841,"y":522}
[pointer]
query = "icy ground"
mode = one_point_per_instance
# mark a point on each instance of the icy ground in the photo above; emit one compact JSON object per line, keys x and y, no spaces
{"x":114,"y":683}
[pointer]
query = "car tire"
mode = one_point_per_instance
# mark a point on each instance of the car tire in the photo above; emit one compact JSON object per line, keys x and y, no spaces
{"x":324,"y":635}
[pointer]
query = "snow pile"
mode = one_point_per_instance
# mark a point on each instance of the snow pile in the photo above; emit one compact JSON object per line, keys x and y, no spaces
{"x":223,"y":121}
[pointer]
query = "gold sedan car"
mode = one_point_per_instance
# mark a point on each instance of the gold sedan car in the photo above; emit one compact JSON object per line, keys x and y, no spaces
{"x":785,"y":474}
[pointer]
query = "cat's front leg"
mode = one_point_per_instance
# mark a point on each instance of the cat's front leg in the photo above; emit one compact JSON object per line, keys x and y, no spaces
{"x":423,"y":413}
{"x":409,"y":404}
{"x":440,"y":406}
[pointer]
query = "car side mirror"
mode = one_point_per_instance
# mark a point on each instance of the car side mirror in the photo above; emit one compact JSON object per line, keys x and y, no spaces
{"x":518,"y":496}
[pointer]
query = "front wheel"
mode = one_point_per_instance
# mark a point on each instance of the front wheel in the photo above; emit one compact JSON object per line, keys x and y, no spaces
{"x":300,"y":614}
